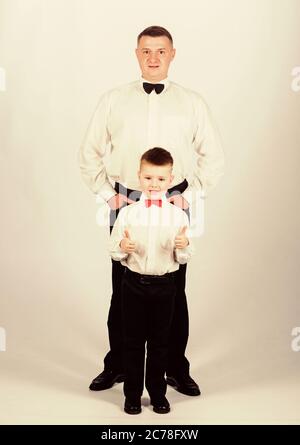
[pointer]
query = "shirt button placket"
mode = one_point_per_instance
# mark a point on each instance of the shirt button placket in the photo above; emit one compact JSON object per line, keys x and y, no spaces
{"x":152,"y":119}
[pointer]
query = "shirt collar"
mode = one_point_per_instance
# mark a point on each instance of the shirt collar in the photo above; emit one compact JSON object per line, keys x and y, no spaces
{"x":165,"y":81}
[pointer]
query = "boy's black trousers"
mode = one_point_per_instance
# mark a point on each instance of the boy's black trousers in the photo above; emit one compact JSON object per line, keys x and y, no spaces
{"x":147,"y":310}
{"x":177,"y":363}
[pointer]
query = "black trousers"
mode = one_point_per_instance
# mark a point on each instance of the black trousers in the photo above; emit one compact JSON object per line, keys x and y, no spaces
{"x":177,"y":363}
{"x":147,"y":309}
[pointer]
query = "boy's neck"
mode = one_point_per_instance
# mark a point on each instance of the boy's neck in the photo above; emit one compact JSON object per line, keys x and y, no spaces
{"x":155,"y":195}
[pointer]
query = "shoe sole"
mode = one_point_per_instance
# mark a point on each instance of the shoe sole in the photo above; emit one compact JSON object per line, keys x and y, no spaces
{"x":161,"y":412}
{"x":174,"y":384}
{"x":132,"y":414}
{"x":116,"y":380}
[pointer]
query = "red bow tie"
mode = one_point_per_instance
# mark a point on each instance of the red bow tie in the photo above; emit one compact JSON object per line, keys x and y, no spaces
{"x":149,"y":202}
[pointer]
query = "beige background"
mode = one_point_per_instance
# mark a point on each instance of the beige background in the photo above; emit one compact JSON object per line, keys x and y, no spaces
{"x":243,"y":284}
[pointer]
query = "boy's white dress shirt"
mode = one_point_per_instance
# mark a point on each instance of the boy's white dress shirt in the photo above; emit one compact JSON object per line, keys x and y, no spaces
{"x":154,"y":230}
{"x":127,"y":121}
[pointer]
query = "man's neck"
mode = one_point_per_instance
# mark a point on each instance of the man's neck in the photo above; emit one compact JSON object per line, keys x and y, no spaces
{"x":161,"y":79}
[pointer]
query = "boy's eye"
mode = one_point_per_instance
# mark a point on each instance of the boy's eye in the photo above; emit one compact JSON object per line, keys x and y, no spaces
{"x":161,"y":179}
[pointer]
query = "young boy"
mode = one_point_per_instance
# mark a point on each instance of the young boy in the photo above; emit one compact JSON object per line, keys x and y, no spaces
{"x":149,"y":238}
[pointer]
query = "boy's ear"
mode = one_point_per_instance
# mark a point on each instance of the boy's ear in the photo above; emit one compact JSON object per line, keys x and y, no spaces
{"x":172,"y":178}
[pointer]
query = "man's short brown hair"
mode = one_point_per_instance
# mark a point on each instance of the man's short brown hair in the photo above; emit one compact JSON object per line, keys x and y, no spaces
{"x":157,"y":156}
{"x":155,"y":31}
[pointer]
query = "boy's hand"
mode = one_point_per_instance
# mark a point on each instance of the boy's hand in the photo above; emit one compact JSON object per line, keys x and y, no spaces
{"x":126,"y":244}
{"x":116,"y":201}
{"x":181,"y":241}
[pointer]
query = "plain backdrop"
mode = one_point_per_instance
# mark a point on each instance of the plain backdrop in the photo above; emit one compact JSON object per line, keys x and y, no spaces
{"x":59,"y":56}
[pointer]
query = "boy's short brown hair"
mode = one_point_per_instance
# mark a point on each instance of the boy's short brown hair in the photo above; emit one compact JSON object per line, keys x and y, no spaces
{"x":157,"y":156}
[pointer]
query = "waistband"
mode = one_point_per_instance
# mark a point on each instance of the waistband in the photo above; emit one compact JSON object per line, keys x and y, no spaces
{"x":149,"y":279}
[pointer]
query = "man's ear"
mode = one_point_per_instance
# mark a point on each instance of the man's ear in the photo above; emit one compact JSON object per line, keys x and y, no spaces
{"x":173,"y":53}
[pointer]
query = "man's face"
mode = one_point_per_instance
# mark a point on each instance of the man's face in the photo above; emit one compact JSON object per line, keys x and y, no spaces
{"x":154,"y":55}
{"x":155,"y":179}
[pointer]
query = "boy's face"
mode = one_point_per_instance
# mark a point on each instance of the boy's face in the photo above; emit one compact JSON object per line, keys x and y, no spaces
{"x":155,"y":179}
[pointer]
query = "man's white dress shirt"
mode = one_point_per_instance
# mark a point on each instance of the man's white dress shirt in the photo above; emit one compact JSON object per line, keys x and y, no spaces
{"x":128,"y":121}
{"x":154,"y":230}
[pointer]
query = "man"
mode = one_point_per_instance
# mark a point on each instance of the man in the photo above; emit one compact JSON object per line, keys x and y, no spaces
{"x":152,"y":111}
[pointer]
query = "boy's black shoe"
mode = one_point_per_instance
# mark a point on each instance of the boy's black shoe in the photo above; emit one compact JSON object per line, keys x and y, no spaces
{"x":106,"y":380}
{"x":186,"y":385}
{"x":160,"y":406}
{"x":132,"y":406}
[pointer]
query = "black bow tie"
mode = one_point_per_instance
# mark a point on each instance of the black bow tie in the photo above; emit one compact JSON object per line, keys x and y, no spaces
{"x":148,"y":87}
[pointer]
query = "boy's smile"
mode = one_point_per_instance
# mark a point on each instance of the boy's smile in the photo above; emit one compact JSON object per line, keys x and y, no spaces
{"x":155,"y":180}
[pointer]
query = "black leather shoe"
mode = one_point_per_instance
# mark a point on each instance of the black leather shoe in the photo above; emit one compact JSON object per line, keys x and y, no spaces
{"x":132,"y":406}
{"x":160,"y":406}
{"x":106,"y":380}
{"x":186,"y":385}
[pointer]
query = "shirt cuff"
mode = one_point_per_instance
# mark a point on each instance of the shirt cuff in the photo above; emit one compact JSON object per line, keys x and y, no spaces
{"x":117,"y":254}
{"x":190,"y":193}
{"x":106,"y":192}
{"x":182,"y":256}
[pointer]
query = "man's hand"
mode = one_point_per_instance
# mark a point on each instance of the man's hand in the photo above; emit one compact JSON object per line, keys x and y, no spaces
{"x":126,"y":244}
{"x":116,"y":201}
{"x":181,"y":240}
{"x":179,"y":201}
